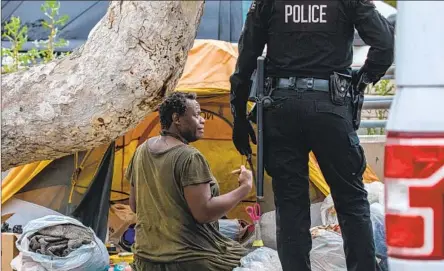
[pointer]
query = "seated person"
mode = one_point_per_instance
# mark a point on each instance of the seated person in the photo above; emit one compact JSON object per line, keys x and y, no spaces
{"x":176,"y":197}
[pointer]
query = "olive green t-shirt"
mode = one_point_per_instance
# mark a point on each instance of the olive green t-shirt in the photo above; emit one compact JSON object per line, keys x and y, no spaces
{"x":166,"y":231}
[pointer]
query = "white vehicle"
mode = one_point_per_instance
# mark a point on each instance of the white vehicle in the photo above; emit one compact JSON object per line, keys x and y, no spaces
{"x":414,"y":151}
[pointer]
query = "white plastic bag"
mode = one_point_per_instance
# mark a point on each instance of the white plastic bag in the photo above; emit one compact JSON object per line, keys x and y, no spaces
{"x":329,"y":216}
{"x":328,"y":212}
{"x":261,"y":259}
{"x":268,"y":224}
{"x":375,"y":192}
{"x":327,"y":253}
{"x":21,"y":263}
{"x":268,"y":229}
{"x":93,"y":256}
{"x":377,"y":217}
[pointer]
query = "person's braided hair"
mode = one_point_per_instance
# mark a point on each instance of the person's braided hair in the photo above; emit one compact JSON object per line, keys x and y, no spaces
{"x":176,"y":102}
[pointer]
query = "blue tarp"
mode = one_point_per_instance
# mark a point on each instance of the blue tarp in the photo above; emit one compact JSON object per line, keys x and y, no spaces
{"x":222,"y":20}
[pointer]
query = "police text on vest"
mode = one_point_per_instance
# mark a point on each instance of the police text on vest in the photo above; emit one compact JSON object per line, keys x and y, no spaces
{"x":300,"y":14}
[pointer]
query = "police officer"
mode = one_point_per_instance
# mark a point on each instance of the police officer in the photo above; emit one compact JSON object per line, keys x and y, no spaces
{"x":309,"y":55}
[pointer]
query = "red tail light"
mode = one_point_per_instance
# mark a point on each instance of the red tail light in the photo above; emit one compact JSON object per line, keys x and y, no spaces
{"x":414,"y":174}
{"x":405,"y":231}
{"x":413,"y":161}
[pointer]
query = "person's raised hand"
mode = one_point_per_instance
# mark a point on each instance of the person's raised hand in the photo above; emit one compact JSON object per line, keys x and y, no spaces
{"x":246,"y":178}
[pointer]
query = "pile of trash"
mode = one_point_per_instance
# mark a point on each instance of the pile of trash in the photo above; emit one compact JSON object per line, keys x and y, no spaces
{"x":261,"y":259}
{"x":327,"y":245}
{"x":376,"y":199}
{"x":59,"y":243}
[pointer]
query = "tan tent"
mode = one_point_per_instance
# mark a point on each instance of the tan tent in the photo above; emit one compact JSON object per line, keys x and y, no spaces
{"x":60,"y":183}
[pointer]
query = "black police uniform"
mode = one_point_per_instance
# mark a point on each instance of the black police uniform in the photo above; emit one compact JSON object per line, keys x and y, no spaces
{"x":307,"y":41}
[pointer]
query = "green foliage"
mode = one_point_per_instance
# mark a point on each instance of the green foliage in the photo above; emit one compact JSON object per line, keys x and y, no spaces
{"x":391,"y":3}
{"x":382,"y":88}
{"x":51,"y":9}
{"x":18,"y":36}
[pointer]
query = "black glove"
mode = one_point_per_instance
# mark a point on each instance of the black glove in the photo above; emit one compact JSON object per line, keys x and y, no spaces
{"x":242,"y":132}
{"x":360,"y":81}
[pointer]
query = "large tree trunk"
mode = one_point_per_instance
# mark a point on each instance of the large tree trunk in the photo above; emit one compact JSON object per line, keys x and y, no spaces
{"x":132,"y":58}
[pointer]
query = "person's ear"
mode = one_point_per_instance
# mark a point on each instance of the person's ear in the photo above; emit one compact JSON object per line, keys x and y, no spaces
{"x":176,"y":119}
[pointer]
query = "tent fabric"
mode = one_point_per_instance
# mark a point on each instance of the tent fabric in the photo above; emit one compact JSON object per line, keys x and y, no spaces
{"x":207,"y":71}
{"x":209,"y":65}
{"x":52,"y":186}
{"x":19,"y":177}
{"x":93,"y":209}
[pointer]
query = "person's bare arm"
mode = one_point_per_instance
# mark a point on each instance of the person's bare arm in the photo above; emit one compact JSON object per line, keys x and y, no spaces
{"x":132,"y":198}
{"x":205,"y":208}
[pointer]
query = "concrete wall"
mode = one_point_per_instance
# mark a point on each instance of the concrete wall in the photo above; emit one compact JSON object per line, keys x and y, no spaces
{"x":374,"y":152}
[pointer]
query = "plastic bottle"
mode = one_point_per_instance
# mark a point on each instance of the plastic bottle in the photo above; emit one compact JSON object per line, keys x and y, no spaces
{"x":123,"y":266}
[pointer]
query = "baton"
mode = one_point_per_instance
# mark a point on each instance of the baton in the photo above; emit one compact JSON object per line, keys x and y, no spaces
{"x":260,"y":79}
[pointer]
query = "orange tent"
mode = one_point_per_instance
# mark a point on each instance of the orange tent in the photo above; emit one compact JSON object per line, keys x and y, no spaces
{"x":53,"y":184}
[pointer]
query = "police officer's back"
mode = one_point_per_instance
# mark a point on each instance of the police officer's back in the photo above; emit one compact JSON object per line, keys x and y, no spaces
{"x":309,"y":54}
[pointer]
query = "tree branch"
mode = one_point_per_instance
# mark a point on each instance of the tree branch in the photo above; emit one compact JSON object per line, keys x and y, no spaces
{"x":132,"y":58}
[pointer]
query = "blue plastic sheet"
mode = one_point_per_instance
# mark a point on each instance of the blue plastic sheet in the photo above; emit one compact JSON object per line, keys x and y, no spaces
{"x":377,"y":217}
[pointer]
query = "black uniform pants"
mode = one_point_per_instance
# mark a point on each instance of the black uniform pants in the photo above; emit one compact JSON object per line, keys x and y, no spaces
{"x":307,"y":121}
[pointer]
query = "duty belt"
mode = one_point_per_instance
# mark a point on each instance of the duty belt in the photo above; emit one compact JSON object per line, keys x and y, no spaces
{"x":303,"y":84}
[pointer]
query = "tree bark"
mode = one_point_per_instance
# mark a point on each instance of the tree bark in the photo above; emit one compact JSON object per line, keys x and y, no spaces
{"x":133,"y":57}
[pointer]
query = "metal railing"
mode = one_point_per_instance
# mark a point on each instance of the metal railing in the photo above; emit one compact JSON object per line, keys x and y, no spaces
{"x":378,"y":102}
{"x":373,"y":124}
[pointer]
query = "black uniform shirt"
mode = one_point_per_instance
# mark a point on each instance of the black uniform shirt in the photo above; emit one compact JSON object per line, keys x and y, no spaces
{"x":310,"y":39}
